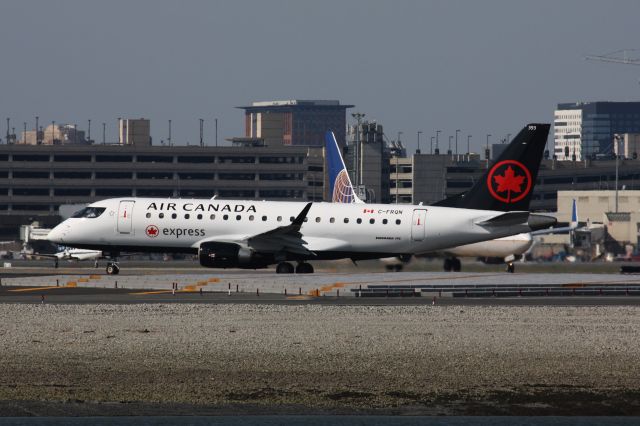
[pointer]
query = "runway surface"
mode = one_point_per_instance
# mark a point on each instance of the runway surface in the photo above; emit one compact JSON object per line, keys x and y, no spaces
{"x":166,"y":285}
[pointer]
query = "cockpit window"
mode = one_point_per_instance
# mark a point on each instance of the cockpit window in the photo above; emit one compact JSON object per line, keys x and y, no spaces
{"x":89,"y":212}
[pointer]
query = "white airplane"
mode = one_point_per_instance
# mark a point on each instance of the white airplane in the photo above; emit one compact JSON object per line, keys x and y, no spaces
{"x":507,"y":249}
{"x":71,"y":254}
{"x":256,"y":234}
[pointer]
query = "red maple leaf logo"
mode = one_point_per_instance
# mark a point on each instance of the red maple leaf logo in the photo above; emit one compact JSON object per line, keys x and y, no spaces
{"x":514,"y":176}
{"x":509,"y":182}
{"x":152,"y":231}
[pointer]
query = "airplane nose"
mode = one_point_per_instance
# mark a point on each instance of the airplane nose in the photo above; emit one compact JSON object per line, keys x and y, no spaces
{"x":57,"y":234}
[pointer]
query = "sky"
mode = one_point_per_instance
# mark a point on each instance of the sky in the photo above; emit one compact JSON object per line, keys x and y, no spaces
{"x":484,"y":67}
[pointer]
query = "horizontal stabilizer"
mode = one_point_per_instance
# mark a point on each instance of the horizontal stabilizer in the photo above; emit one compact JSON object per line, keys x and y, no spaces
{"x":507,"y":219}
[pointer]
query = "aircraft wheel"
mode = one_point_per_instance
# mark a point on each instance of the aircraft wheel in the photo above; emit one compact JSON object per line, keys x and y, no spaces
{"x":398,"y":268}
{"x":284,"y":268}
{"x":113,"y":269}
{"x":456,"y":265}
{"x":304,"y":268}
{"x":511,"y":268}
{"x":447,"y":265}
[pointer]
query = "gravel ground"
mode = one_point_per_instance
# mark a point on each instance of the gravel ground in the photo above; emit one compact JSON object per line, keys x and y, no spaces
{"x":408,"y":359}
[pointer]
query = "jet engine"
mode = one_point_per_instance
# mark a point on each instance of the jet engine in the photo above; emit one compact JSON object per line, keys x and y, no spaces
{"x":229,"y":255}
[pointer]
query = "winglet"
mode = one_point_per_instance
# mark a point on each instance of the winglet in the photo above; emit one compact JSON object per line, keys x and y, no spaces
{"x":340,"y":186}
{"x":303,"y":214}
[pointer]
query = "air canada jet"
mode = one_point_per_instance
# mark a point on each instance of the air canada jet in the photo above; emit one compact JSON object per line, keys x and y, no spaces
{"x":255,"y":234}
{"x":506,"y":249}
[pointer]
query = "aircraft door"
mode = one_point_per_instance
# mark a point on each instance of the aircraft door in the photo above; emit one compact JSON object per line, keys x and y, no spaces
{"x":125,"y":217}
{"x":417,"y":224}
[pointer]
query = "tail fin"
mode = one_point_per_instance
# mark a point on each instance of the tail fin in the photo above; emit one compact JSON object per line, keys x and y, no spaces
{"x":508,"y":184}
{"x":339,"y":182}
{"x":574,"y":216}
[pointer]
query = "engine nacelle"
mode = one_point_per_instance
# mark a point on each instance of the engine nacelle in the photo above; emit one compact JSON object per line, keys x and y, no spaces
{"x":229,"y":255}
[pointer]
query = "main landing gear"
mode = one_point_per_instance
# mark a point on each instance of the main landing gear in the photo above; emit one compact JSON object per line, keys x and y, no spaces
{"x":511,"y":268}
{"x":113,"y":268}
{"x":287,"y":268}
{"x":452,"y":264}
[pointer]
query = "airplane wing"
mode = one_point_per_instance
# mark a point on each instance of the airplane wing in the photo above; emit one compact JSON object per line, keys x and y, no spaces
{"x":572,"y":225}
{"x":45,"y":256}
{"x":286,"y":238}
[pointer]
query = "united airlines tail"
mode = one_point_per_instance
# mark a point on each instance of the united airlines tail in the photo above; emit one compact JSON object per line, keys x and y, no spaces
{"x":339,"y":182}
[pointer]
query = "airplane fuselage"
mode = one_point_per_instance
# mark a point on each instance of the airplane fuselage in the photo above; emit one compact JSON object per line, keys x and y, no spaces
{"x":330,"y":230}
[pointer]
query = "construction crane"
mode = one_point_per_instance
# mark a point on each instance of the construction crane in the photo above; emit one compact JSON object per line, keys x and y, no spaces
{"x":622,"y":56}
{"x":618,"y":57}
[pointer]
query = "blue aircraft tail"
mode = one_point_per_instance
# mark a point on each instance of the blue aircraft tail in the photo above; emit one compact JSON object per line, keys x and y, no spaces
{"x":340,"y":185}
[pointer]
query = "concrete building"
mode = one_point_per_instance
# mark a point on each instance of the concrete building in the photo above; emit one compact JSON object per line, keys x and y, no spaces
{"x":599,"y":208}
{"x":628,"y":145}
{"x":367,"y":159}
{"x":134,"y":132}
{"x":295,"y":122}
{"x":585,"y":130}
{"x":36,"y":180}
{"x":54,"y":134}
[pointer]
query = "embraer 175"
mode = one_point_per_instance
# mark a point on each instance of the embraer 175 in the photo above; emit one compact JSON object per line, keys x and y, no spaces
{"x":505,"y":249}
{"x":256,"y":234}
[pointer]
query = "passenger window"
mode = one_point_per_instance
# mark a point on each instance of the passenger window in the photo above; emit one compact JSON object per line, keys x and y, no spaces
{"x":372,"y":221}
{"x":264,"y":218}
{"x":358,"y":221}
{"x":187,"y":216}
{"x":199,"y":216}
{"x":251,"y":217}
{"x":291,"y":219}
{"x":225,"y":217}
{"x":213,"y":216}
{"x":397,"y":221}
{"x":279,"y":218}
{"x":148,"y":215}
{"x":306,"y":219}
{"x":161,"y":215}
{"x":332,"y":220}
{"x":317,"y":220}
{"x":346,"y":220}
{"x":173,"y":215}
{"x":384,"y":221}
{"x":238,"y":217}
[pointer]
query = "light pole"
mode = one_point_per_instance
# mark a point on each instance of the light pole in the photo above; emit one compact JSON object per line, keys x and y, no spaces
{"x":104,"y":133}
{"x":486,"y":151}
{"x":437,"y":142}
{"x":457,"y":131}
{"x":449,"y":150}
{"x":53,"y":132}
{"x":37,"y":132}
{"x":201,"y":132}
{"x":468,"y":146}
{"x":418,"y":150}
{"x":89,"y":131}
{"x":431,"y":146}
{"x":356,"y":155}
{"x":169,"y":138}
{"x":617,"y":151}
{"x":25,"y":132}
{"x":216,"y":121}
